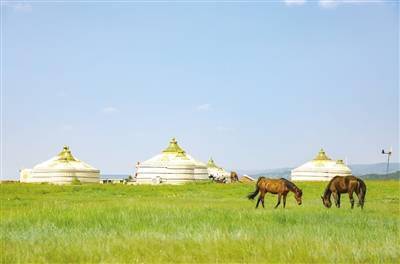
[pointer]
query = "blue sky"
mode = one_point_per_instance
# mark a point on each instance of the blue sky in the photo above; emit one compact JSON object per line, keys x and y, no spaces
{"x":254,"y":85}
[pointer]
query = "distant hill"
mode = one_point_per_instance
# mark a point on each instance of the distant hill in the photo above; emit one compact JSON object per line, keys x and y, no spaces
{"x":393,"y":175}
{"x":274,"y":173}
{"x":376,"y":168}
{"x":357,"y":169}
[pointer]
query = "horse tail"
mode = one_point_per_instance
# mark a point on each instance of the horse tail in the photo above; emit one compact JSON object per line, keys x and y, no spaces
{"x":362,"y":191}
{"x":252,"y":195}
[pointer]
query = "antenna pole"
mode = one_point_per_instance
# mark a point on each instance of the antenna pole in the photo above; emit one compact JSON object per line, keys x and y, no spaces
{"x":388,"y":153}
{"x":387,"y":166}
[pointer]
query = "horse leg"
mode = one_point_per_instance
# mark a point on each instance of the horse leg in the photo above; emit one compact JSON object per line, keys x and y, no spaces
{"x":262,"y":195}
{"x":359,"y":198}
{"x":335,"y":197}
{"x":260,"y":198}
{"x":338,"y":200}
{"x":279,"y":200}
{"x":351,"y":199}
{"x":284,"y":200}
{"x":258,"y":201}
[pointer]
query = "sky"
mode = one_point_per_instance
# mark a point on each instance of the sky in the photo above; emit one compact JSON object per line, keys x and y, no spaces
{"x":255,"y":85}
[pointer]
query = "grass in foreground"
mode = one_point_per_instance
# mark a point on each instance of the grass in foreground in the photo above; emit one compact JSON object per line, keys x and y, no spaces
{"x":193,"y":223}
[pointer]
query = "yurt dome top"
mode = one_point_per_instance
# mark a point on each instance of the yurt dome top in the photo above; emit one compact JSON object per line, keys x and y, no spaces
{"x":211,"y":164}
{"x":66,"y":155}
{"x":321,"y":156}
{"x":174,"y":148}
{"x":323,"y":163}
{"x":172,"y":155}
{"x":64,"y":161}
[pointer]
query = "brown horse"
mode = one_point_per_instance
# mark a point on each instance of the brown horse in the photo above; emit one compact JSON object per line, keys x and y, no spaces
{"x":234,"y":176}
{"x":347,"y":184}
{"x":275,"y":186}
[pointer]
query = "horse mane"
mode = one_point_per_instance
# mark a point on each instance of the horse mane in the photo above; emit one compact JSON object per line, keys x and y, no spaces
{"x":327,"y":189}
{"x":292,"y":185}
{"x":261,"y":178}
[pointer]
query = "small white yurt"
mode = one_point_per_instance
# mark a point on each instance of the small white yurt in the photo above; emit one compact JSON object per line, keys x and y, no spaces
{"x":321,"y":168}
{"x":172,"y":166}
{"x":62,"y":169}
{"x":216,"y":171}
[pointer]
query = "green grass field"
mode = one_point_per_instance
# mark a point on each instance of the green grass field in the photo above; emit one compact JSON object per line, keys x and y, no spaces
{"x":194,"y":223}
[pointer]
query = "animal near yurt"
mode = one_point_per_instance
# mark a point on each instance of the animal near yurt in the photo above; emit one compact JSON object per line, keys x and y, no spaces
{"x":172,"y":166}
{"x":61,"y":169}
{"x":216,"y":172}
{"x":321,"y":168}
{"x":281,"y":187}
{"x":344,"y":185}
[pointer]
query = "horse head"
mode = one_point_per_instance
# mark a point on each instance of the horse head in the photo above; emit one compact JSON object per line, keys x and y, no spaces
{"x":297,"y":195}
{"x":326,"y":201}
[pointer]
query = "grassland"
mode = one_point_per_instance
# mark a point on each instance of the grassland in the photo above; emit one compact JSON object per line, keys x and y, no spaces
{"x":193,"y":223}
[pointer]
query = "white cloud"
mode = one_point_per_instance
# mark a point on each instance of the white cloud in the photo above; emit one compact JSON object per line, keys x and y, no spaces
{"x":22,"y":7}
{"x":109,"y":110}
{"x":335,"y":3}
{"x":203,"y":107}
{"x":294,"y":2}
{"x":328,"y":3}
{"x":17,"y":5}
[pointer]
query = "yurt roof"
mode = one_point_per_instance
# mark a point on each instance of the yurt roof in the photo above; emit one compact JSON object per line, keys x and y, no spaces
{"x":174,"y":148}
{"x":172,"y":155}
{"x":323,"y":163}
{"x":321,"y":155}
{"x":211,"y":164}
{"x":64,"y":161}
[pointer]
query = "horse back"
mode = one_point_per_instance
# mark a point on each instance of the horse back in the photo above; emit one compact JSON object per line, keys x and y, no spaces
{"x":344,"y":184}
{"x":272,"y":185}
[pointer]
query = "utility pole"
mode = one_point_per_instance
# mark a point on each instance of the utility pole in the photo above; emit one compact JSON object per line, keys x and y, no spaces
{"x":388,"y":153}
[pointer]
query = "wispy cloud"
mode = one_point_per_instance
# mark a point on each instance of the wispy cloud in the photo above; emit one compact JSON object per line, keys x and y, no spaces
{"x":17,"y":6}
{"x":203,"y":108}
{"x":328,"y":3}
{"x":109,"y":110}
{"x":294,"y":2}
{"x":335,"y":3}
{"x":22,"y":7}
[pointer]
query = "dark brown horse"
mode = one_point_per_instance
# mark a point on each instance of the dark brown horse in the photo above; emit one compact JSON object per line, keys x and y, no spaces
{"x":347,"y":184}
{"x":281,"y":187}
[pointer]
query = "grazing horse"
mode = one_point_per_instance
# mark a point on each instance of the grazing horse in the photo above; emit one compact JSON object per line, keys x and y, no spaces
{"x":234,"y":176}
{"x":346,"y":184}
{"x":275,"y":186}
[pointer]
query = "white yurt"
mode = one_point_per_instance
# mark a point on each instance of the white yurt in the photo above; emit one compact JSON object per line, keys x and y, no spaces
{"x":172,"y":166}
{"x":321,"y":168}
{"x":62,"y":169}
{"x":216,"y":171}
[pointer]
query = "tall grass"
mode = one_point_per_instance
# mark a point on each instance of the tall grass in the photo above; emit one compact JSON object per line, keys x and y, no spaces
{"x":193,"y":223}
